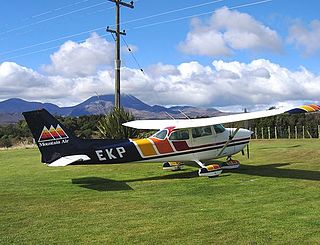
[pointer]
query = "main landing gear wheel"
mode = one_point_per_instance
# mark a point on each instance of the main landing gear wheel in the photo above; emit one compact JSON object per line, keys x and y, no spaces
{"x":173,"y":166}
{"x":230,"y":164}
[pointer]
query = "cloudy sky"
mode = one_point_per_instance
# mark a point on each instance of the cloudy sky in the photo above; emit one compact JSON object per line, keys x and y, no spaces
{"x":225,"y":53}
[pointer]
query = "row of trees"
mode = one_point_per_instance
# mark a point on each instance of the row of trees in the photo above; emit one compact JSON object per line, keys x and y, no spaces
{"x":99,"y":126}
{"x":14,"y":133}
{"x":88,"y":127}
{"x":84,"y":126}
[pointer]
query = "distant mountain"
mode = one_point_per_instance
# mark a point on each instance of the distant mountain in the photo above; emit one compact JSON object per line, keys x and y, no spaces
{"x":10,"y":110}
{"x":194,"y":112}
{"x":18,"y":105}
{"x":8,"y":118}
{"x":104,"y":103}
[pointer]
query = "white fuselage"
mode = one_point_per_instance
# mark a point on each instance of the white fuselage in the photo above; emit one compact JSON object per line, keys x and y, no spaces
{"x":198,"y":147}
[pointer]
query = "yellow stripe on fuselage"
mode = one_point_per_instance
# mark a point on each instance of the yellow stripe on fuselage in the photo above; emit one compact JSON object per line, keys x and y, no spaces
{"x":146,"y":147}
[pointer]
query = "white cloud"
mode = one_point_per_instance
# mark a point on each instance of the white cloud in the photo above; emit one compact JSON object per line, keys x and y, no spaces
{"x":203,"y":41}
{"x":227,"y":31}
{"x":14,"y":79}
{"x":81,"y":59}
{"x":25,"y":83}
{"x":306,"y":38}
{"x":259,"y":82}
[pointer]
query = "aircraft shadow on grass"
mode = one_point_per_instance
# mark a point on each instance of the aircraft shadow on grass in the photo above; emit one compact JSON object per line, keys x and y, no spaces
{"x":102,"y":184}
{"x":278,"y":147}
{"x":267,"y":170}
{"x":275,"y":170}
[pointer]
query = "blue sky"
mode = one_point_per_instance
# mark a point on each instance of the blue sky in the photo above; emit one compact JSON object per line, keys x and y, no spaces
{"x":207,"y":53}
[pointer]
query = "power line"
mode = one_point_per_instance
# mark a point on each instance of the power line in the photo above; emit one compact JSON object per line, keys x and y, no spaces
{"x":133,"y":56}
{"x":172,"y":11}
{"x":70,"y":5}
{"x":197,"y":15}
{"x":53,"y":40}
{"x":101,"y":28}
{"x":57,"y":9}
{"x":48,"y":12}
{"x":103,"y":10}
{"x":52,"y":18}
{"x":137,"y":27}
{"x":46,"y":49}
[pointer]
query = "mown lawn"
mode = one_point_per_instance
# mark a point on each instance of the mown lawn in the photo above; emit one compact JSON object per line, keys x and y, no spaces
{"x":273,"y":198}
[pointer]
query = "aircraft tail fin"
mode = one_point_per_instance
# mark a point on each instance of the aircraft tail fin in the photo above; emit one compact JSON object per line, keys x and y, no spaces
{"x":53,"y":139}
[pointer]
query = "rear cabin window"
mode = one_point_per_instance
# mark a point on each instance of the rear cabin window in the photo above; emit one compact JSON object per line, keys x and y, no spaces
{"x":201,"y":131}
{"x":160,"y":135}
{"x":219,"y":128}
{"x":179,"y":135}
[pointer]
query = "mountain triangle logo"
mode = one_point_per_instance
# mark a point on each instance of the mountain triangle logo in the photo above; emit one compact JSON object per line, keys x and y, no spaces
{"x":52,"y":134}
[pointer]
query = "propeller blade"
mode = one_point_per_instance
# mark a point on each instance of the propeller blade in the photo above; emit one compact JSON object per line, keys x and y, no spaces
{"x":248,"y":151}
{"x":242,"y":152}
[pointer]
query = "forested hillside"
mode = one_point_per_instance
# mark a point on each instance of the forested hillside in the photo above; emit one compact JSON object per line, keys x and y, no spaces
{"x":84,"y":126}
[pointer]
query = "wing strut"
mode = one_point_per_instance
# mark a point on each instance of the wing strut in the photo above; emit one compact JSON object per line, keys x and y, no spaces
{"x":229,"y":141}
{"x":200,"y":163}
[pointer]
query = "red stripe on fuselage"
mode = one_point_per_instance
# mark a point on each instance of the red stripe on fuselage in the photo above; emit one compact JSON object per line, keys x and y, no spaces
{"x":180,"y":145}
{"x":163,"y":146}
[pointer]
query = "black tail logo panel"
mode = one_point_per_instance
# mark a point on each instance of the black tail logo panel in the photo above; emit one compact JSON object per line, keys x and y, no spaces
{"x":55,"y":141}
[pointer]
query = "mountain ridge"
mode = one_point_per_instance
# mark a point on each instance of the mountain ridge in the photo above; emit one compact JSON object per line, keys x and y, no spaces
{"x":12,"y":108}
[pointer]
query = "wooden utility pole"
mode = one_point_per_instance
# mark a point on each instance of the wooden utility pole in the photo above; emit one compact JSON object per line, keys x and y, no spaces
{"x":117,"y":33}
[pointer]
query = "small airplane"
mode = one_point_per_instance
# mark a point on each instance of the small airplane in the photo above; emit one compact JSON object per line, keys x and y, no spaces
{"x":176,"y":141}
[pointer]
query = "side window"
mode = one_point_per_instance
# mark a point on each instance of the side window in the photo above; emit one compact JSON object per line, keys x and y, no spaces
{"x":201,"y":131}
{"x":219,"y":128}
{"x":160,"y":135}
{"x":179,"y":135}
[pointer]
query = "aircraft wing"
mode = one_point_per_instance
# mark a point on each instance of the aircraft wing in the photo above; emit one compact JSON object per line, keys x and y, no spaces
{"x":64,"y":161}
{"x":200,"y":122}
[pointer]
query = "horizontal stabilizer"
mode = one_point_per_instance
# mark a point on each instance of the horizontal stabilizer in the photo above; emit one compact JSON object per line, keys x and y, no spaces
{"x":64,"y":161}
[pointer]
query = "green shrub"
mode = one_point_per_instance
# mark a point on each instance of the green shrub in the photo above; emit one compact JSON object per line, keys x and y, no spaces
{"x":110,"y":126}
{"x":5,"y":142}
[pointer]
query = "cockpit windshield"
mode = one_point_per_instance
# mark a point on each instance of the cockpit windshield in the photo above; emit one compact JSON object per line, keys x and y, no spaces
{"x":161,"y":134}
{"x":219,"y":128}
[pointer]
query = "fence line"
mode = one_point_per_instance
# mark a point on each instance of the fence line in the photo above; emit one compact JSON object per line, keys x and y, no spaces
{"x":300,"y":132}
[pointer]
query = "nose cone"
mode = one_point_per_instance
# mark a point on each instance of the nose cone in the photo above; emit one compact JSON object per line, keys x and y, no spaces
{"x":245,"y":132}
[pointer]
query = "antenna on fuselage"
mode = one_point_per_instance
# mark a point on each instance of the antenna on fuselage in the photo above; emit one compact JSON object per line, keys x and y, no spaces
{"x":169,"y":115}
{"x":184,"y":114}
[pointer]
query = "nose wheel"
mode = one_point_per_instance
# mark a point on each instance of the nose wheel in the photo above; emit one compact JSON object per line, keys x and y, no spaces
{"x":210,"y":171}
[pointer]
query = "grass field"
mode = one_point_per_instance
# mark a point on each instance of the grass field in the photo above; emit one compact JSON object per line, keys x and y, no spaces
{"x":274,"y":198}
